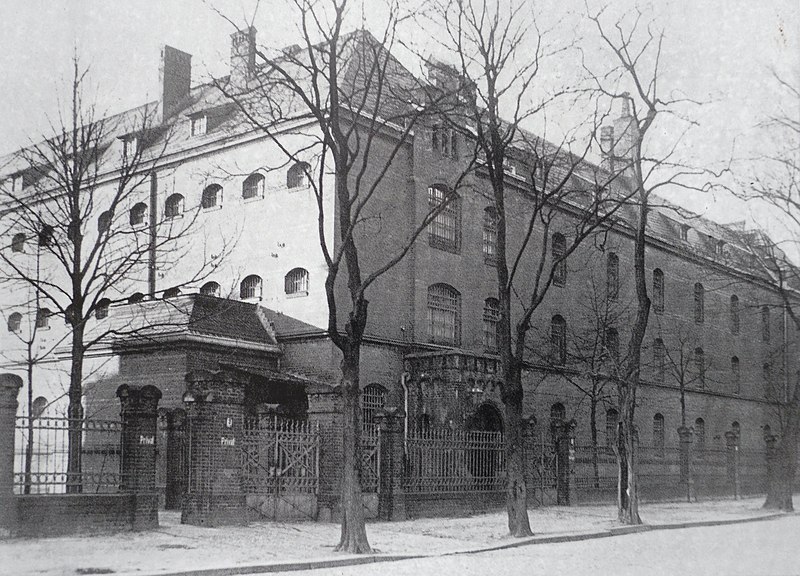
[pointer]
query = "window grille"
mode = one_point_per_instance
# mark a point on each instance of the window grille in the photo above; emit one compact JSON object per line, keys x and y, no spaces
{"x":444,"y":231}
{"x":658,"y":291}
{"x":700,"y":435}
{"x":612,"y":276}
{"x":212,"y":196}
{"x":18,"y":242}
{"x":734,"y":314}
{"x":558,"y":340}
{"x":138,"y":214}
{"x":298,"y":176}
{"x":443,"y":140}
{"x":558,"y":250}
{"x":489,"y":235}
{"x":250,"y":287}
{"x":253,"y":187}
{"x":296,"y":281}
{"x":173,"y":208}
{"x":658,"y":434}
{"x":736,"y":376}
{"x":199,"y":125}
{"x":210,"y":289}
{"x":14,"y":322}
{"x":699,"y":303}
{"x":444,"y":314}
{"x":43,"y":318}
{"x":491,"y":323}
{"x":373,"y":400}
{"x":46,"y":235}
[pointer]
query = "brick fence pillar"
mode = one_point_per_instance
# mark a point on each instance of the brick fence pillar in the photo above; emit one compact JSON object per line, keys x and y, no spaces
{"x":325,"y":410}
{"x":732,"y":461}
{"x":139,"y":412}
{"x":687,"y":476}
{"x":391,"y":499}
{"x":215,"y":417}
{"x":565,"y":453}
{"x":9,"y":387}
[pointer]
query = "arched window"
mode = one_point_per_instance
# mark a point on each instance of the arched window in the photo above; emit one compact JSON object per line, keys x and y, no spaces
{"x":104,"y":222}
{"x":444,"y":314}
{"x":43,"y":318}
{"x":444,"y":231}
{"x":212,"y":196}
{"x":69,"y":315}
{"x":658,"y":291}
{"x":558,"y":249}
{"x":299,"y":175}
{"x":557,"y":413}
{"x":736,"y":376}
{"x":611,"y":426}
{"x":18,"y":242}
{"x":172,"y":292}
{"x":765,"y":328}
{"x":296,"y":282}
{"x":700,"y":366}
{"x":491,"y":323}
{"x":699,"y":303}
{"x":658,"y":434}
{"x":138,"y":214}
{"x":612,"y":343}
{"x":14,"y":322}
{"x":659,"y":359}
{"x":173,"y":207}
{"x":612,"y":276}
{"x":373,"y":400}
{"x":210,"y":289}
{"x":101,"y":310}
{"x":766,"y":375}
{"x":250,"y":287}
{"x":489,"y":235}
{"x":253,"y":186}
{"x":734,"y":314}
{"x":737,"y":431}
{"x":46,"y":235}
{"x":558,"y":340}
{"x":135,"y":298}
{"x":700,"y":436}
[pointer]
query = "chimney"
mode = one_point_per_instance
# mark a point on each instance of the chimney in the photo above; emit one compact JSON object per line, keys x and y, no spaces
{"x":607,"y":148}
{"x":625,"y":131}
{"x":175,"y":73}
{"x":243,"y":56}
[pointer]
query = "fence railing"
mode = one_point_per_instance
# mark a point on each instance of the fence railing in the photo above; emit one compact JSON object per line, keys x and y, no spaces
{"x":370,"y":458}
{"x":41,"y":454}
{"x":445,"y":461}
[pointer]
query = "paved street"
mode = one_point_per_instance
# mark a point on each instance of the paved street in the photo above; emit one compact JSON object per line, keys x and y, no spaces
{"x":768,"y":548}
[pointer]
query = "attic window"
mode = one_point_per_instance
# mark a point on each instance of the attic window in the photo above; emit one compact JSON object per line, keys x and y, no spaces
{"x":685,"y":232}
{"x":18,"y":182}
{"x":130,"y":146}
{"x":719,"y":249}
{"x":199,"y":124}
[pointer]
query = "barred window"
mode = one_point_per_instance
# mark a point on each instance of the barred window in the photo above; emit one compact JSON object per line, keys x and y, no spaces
{"x":18,"y":242}
{"x":736,"y":376}
{"x":253,"y":186}
{"x":658,"y":434}
{"x":611,"y":426}
{"x":658,"y":291}
{"x":443,"y":140}
{"x":14,"y":322}
{"x":373,"y":400}
{"x":43,"y":318}
{"x":612,"y":276}
{"x":46,"y":235}
{"x":558,"y":340}
{"x":172,"y":292}
{"x":444,"y":314}
{"x":700,"y":435}
{"x":699,"y":303}
{"x":489,"y":235}
{"x":299,"y":175}
{"x":250,"y":287}
{"x":296,"y":281}
{"x":212,"y":197}
{"x":104,"y":222}
{"x":138,"y":214}
{"x":659,"y":359}
{"x":734,"y":314}
{"x":765,"y":321}
{"x":199,"y":124}
{"x":445,"y":229}
{"x":210,"y":289}
{"x":101,"y":310}
{"x":700,"y":366}
{"x":173,"y":208}
{"x":558,"y":249}
{"x":491,"y":323}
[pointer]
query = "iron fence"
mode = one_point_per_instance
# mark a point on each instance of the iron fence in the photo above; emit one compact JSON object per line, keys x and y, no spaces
{"x":370,"y":458}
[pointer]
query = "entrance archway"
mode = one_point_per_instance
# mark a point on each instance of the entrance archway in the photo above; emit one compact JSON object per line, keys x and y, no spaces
{"x":484,"y":458}
{"x":486,"y":418}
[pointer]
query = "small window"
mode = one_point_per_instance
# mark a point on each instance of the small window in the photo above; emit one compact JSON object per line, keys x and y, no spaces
{"x":659,"y":359}
{"x":199,"y":124}
{"x":658,"y":434}
{"x":104,"y":222}
{"x":101,"y":310}
{"x":210,"y":289}
{"x":135,"y":298}
{"x":14,"y":322}
{"x":296,"y":282}
{"x":172,"y":292}
{"x":250,"y":287}
{"x":558,"y":414}
{"x":558,"y":250}
{"x":700,"y":436}
{"x":765,"y":321}
{"x":734,"y":314}
{"x":736,"y":376}
{"x":700,"y":367}
{"x":699,"y":303}
{"x":612,"y":276}
{"x":18,"y":242}
{"x":43,"y":318}
{"x":491,"y":324}
{"x":69,"y":315}
{"x":138,"y":214}
{"x":612,"y":416}
{"x":658,"y":291}
{"x":212,"y":197}
{"x":685,"y":232}
{"x":253,"y":187}
{"x":373,"y":400}
{"x":130,"y":147}
{"x":173,"y":208}
{"x":719,"y":248}
{"x":489,"y":235}
{"x":443,"y":140}
{"x":444,"y":314}
{"x":299,"y":175}
{"x":558,"y":340}
{"x":46,"y":235}
{"x":444,"y":231}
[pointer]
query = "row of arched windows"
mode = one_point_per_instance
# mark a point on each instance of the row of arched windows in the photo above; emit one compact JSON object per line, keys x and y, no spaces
{"x":444,"y":317}
{"x":251,"y":287}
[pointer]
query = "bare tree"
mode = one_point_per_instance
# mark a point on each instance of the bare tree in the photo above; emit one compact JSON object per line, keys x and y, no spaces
{"x":73,"y":196}
{"x":343,"y":108}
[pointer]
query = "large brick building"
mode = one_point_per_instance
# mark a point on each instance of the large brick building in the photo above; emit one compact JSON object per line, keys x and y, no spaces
{"x":430,"y":340}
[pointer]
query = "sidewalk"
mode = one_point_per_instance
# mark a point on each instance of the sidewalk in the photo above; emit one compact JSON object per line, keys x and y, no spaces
{"x":177,"y":548}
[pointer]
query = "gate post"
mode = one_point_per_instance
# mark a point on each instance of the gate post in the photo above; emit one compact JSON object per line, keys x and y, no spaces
{"x":174,"y":458}
{"x":9,"y":388}
{"x":214,"y":405}
{"x":687,"y":477}
{"x":139,"y":412}
{"x":732,"y":446}
{"x":324,"y":410}
{"x":565,"y":452}
{"x":391,"y":499}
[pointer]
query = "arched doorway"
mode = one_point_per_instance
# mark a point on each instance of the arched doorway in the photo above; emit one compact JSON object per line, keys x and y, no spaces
{"x":485,"y":452}
{"x":486,"y":418}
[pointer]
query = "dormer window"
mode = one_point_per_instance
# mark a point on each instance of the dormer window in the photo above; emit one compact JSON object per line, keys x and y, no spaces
{"x":719,"y":248}
{"x":444,"y":140}
{"x":130,"y":146}
{"x":17,"y":183}
{"x":199,"y":124}
{"x":685,"y":232}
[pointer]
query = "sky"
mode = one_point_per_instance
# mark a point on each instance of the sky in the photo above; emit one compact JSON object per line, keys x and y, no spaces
{"x":716,"y":51}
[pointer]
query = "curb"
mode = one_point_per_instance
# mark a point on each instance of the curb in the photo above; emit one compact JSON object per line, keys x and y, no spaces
{"x":374,"y":559}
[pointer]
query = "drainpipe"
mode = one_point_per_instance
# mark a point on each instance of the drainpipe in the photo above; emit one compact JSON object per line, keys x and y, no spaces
{"x":403,"y":382}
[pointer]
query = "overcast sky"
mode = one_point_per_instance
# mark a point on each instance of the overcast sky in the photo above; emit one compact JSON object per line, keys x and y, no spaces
{"x":716,"y":50}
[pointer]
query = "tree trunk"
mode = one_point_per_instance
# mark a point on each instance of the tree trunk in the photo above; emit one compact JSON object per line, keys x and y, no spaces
{"x":354,"y":534}
{"x":627,"y":485}
{"x":593,"y":426}
{"x":516,"y":490}
{"x":75,"y":413}
{"x":782,"y":471}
